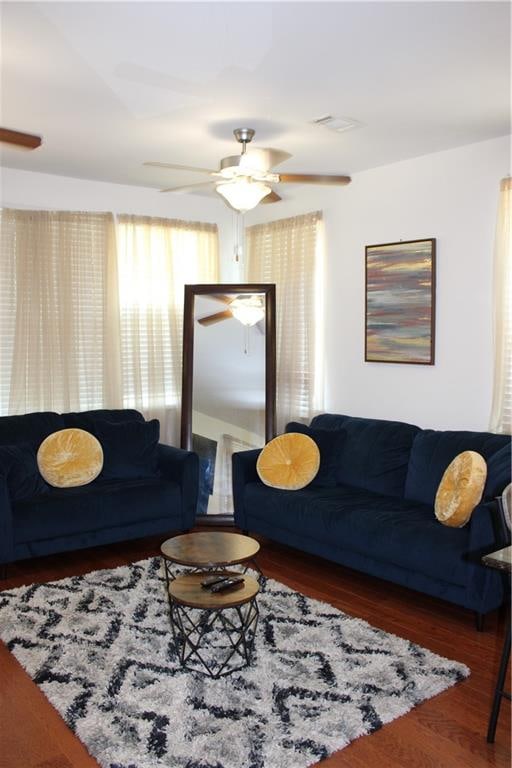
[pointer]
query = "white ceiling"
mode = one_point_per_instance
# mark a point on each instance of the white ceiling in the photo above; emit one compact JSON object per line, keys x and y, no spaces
{"x":109,"y":85}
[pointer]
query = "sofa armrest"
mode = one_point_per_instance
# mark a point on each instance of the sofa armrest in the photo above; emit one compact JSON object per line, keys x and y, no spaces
{"x":244,"y":471}
{"x":485,"y":585}
{"x":182,"y":467}
{"x":6,"y":532}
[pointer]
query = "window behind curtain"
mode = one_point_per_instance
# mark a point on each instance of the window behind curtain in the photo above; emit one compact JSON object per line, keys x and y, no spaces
{"x":156,"y":258}
{"x":52,"y":323}
{"x":84,"y":324}
{"x":288,"y":253}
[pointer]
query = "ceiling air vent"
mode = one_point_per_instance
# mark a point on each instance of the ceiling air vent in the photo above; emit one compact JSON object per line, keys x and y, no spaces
{"x":338,"y":124}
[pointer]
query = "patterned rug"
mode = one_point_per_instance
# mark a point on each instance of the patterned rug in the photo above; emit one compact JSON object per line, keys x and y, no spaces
{"x":100,"y":648}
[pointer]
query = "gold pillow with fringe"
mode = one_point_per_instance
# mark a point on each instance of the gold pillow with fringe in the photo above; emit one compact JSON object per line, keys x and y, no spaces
{"x":460,"y":489}
{"x":70,"y":457}
{"x":289,"y":461}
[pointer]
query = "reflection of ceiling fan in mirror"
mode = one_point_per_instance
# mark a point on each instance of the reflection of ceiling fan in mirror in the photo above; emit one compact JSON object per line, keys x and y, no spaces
{"x":244,"y":180}
{"x":248,"y":310}
{"x":19,"y":139}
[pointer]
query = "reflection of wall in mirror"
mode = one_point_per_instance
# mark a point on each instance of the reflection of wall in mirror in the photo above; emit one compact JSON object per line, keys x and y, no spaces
{"x":229,"y":438}
{"x":229,"y":369}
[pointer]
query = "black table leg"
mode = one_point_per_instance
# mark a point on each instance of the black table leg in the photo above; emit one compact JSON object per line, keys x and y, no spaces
{"x":499,"y":693}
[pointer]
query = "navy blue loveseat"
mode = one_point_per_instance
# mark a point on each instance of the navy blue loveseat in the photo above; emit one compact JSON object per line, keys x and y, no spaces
{"x":36,"y":519}
{"x":372,"y":508}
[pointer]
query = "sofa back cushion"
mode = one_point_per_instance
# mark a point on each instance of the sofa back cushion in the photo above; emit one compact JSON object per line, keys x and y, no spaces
{"x":130,"y":448}
{"x":85,"y":419}
{"x":18,"y":466}
{"x":29,"y":428}
{"x":432,"y":452}
{"x":374,"y":454}
{"x":329,"y":443}
{"x":498,"y":472}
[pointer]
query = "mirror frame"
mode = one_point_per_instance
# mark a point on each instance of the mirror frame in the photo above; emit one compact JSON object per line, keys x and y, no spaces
{"x":191,"y":291}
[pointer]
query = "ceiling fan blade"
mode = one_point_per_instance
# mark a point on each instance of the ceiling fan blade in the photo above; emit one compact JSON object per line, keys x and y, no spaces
{"x":216,"y":318}
{"x":184,"y":187}
{"x":20,"y":139}
{"x":220,"y":297}
{"x":272,"y":197}
{"x":313,"y":178}
{"x":176,"y":167}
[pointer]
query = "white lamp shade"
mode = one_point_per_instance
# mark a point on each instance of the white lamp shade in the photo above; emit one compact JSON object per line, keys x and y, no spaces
{"x":248,"y":310}
{"x":243,"y":194}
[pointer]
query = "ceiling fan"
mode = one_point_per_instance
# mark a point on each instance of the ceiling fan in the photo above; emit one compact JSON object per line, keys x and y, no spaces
{"x":247,"y":309}
{"x":244,"y":180}
{"x":20,"y":139}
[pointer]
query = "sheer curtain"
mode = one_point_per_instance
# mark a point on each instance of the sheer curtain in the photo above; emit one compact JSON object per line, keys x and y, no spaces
{"x":289,"y":253}
{"x":501,"y":414}
{"x":156,"y":258}
{"x":54,"y":334}
{"x":87,"y":322}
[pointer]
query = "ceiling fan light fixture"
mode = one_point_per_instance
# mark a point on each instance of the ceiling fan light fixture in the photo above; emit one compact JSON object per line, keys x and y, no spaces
{"x":243,"y":193}
{"x":248,"y":310}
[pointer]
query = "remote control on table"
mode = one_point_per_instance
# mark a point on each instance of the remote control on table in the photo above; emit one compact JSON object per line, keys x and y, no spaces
{"x":211,"y":580}
{"x":229,"y":583}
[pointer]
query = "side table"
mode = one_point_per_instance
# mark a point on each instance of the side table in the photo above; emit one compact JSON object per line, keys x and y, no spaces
{"x":214,"y":631}
{"x":502,"y":561}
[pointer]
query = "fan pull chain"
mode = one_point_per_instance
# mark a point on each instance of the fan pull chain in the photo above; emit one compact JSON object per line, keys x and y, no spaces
{"x":246,"y":339}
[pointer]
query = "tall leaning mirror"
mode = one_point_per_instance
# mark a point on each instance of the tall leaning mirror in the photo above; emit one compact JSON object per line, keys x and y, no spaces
{"x":229,"y":383}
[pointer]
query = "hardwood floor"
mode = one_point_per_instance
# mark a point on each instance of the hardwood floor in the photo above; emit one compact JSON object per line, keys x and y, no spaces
{"x":448,"y":731}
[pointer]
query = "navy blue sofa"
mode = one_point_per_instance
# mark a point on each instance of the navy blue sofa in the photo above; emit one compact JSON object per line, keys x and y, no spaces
{"x":374,"y":511}
{"x":107,"y":510}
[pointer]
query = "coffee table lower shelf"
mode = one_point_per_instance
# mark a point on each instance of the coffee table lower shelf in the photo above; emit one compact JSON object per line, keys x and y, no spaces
{"x":214,"y":632}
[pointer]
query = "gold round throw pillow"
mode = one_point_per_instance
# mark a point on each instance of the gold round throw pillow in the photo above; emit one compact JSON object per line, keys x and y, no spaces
{"x":70,"y":457}
{"x":460,"y":489}
{"x":289,"y":461}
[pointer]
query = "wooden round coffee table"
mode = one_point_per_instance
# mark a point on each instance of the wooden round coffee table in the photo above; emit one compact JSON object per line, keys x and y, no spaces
{"x":208,"y":550}
{"x":213,"y":631}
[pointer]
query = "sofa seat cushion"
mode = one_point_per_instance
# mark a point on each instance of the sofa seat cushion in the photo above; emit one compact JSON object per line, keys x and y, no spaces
{"x":433,"y":451}
{"x":385,"y":528}
{"x":68,"y":511}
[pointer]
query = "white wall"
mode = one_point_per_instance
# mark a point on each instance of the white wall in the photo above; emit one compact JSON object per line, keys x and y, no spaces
{"x":23,"y":189}
{"x":451,"y":196}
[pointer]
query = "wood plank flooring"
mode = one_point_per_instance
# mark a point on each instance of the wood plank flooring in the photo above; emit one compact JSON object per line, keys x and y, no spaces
{"x":448,"y":731}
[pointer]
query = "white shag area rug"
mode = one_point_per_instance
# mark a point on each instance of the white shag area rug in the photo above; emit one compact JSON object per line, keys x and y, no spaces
{"x":101,"y":649}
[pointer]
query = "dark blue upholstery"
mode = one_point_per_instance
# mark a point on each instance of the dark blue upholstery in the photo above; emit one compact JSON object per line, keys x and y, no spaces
{"x":498,"y":472}
{"x":86,"y":419}
{"x":329,"y":444}
{"x":30,"y":428}
{"x":368,"y":521}
{"x":103,"y":511}
{"x":130,"y":448}
{"x":18,"y":464}
{"x":374,"y":454}
{"x":433,"y":451}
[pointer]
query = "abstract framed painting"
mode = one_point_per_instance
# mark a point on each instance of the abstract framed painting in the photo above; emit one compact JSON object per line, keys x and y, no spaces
{"x":400,"y":302}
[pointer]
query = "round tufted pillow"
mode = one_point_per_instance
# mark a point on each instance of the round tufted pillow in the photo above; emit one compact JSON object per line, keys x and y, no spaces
{"x":460,"y":489}
{"x":70,"y":457}
{"x":289,"y":461}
